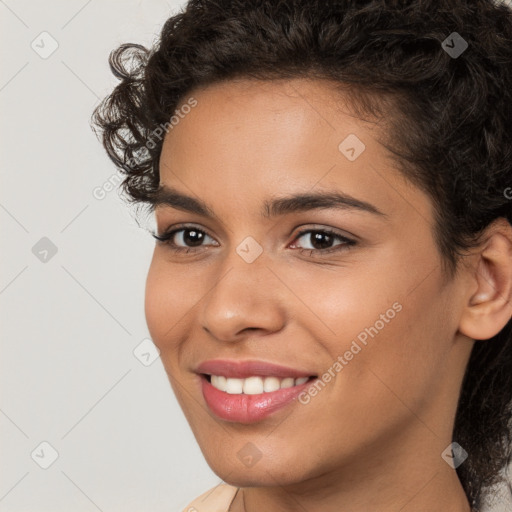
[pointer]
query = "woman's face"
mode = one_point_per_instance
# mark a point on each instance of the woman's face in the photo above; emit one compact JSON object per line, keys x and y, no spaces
{"x":375,"y":313}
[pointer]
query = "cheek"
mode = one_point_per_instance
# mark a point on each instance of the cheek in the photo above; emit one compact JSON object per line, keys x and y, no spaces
{"x":399,"y":363}
{"x":345,"y":304}
{"x":168,"y":298}
{"x":154,"y":304}
{"x":388,"y":326}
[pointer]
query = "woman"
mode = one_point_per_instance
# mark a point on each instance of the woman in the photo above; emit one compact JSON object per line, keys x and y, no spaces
{"x":331,"y":283}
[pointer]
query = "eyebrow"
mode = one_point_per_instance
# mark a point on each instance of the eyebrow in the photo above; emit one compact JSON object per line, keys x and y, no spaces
{"x":167,"y":196}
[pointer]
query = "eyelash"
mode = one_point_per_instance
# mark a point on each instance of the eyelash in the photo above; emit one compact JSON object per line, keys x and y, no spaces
{"x":166,"y":238}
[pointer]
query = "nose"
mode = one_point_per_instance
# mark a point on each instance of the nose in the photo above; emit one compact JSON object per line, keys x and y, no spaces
{"x":247,"y":297}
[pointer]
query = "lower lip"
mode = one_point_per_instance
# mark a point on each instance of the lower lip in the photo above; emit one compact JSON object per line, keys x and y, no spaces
{"x":242,"y":408}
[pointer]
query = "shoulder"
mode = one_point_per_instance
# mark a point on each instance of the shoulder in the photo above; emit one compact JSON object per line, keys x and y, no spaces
{"x":217,"y":499}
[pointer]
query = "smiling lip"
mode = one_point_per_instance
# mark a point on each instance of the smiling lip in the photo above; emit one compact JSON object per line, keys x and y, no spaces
{"x":246,"y":408}
{"x":243,"y":369}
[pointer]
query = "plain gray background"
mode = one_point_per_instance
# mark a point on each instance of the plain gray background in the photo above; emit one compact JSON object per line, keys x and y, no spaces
{"x":78,"y":371}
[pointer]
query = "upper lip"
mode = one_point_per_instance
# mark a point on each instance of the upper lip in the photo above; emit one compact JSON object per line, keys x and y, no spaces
{"x":243,"y":369}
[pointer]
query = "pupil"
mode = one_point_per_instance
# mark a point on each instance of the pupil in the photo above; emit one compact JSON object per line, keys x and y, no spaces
{"x":193,"y":236}
{"x":317,"y":240}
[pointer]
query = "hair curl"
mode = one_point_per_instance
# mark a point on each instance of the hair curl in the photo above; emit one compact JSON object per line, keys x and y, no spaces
{"x":451,"y":129}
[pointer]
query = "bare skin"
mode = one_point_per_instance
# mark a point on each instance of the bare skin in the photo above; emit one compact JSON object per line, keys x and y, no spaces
{"x":372,"y":438}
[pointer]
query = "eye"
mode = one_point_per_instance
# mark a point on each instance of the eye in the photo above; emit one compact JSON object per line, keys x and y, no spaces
{"x":321,"y":241}
{"x":188,"y":239}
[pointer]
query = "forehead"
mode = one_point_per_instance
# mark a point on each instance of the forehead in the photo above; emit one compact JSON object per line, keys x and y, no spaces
{"x":267,"y":119}
{"x":247,"y":140}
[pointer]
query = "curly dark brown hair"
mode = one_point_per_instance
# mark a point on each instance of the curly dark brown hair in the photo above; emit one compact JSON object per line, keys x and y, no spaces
{"x":450,"y":131}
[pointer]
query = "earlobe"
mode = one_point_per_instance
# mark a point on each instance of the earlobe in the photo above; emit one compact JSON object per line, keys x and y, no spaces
{"x":489,"y":306}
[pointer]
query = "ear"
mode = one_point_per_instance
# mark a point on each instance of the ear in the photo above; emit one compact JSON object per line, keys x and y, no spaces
{"x":489,"y":303}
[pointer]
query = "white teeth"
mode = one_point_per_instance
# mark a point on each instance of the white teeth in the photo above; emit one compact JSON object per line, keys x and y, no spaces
{"x":234,"y":386}
{"x":254,"y":385}
{"x":219,"y":381}
{"x":288,"y":382}
{"x":271,"y":384}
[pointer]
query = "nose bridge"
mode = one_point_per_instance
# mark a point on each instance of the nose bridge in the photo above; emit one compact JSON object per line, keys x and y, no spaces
{"x":243,"y":296}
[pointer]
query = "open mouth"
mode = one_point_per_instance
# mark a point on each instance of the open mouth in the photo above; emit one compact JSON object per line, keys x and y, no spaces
{"x":255,"y":384}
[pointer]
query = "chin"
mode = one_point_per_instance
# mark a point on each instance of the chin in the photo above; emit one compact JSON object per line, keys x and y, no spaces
{"x":260,"y":474}
{"x":261,"y":478}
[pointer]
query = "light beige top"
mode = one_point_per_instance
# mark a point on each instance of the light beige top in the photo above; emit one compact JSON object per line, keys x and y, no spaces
{"x":217,"y":499}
